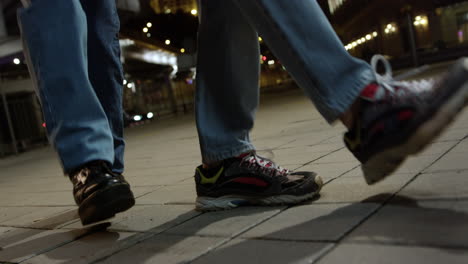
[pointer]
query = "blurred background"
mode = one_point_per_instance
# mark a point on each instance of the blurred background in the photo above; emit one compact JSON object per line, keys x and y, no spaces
{"x":159,"y":46}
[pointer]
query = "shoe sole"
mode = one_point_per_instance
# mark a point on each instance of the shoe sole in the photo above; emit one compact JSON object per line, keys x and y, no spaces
{"x":208,"y":204}
{"x":106,"y":203}
{"x":384,"y":163}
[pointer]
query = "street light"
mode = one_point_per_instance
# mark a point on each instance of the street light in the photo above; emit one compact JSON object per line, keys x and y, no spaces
{"x":168,"y":42}
{"x":182,"y":50}
{"x":145,"y":29}
{"x":149,"y":24}
{"x":194,"y":12}
{"x":16,"y":61}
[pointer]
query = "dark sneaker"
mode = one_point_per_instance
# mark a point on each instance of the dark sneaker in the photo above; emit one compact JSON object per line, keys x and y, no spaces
{"x":99,"y":193}
{"x":252,"y":180}
{"x":398,"y":119}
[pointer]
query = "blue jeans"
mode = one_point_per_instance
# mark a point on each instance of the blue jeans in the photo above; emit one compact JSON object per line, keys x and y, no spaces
{"x":300,"y":36}
{"x":73,"y":55}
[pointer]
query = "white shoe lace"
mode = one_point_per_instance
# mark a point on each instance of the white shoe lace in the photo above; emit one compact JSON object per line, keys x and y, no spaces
{"x":394,"y":85}
{"x":264,"y":165}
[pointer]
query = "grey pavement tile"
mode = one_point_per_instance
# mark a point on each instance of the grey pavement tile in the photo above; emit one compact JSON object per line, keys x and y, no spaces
{"x":416,"y":164}
{"x":88,"y":249}
{"x":393,"y":254}
{"x":19,"y":244}
{"x":297,"y":155}
{"x":438,"y":148}
{"x":329,"y":171}
{"x":225,"y":223}
{"x":165,"y":249}
{"x":171,"y":194}
{"x":148,"y":218}
{"x":453,"y":134}
{"x":453,"y":160}
{"x":355,"y":189}
{"x":264,"y":251}
{"x":37,"y":217}
{"x":342,"y":155}
{"x":421,"y":223}
{"x":320,"y":222}
{"x":62,"y":198}
{"x":441,"y":185}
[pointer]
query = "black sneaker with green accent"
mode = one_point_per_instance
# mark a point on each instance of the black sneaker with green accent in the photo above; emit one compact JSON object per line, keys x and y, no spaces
{"x":398,"y":119}
{"x":252,"y":180}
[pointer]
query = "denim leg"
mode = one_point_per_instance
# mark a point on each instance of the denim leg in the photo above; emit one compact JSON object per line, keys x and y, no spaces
{"x":55,"y":37}
{"x":227,"y":80}
{"x":302,"y":38}
{"x":105,"y":68}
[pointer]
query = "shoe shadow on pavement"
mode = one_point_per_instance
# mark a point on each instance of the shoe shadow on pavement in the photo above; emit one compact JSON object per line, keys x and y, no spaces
{"x":402,"y":221}
{"x":93,"y":243}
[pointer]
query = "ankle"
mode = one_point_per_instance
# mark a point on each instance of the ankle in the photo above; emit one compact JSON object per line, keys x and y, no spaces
{"x":348,"y":118}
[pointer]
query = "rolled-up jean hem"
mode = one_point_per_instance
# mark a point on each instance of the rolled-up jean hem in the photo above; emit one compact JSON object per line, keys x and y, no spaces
{"x":342,"y":101}
{"x":229,"y":152}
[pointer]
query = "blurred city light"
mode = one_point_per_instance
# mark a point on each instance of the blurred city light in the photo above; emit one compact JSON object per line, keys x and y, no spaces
{"x":16,"y":61}
{"x":194,"y":12}
{"x":420,"y":21}
{"x":182,"y":50}
{"x":124,"y":82}
{"x":271,"y":62}
{"x":148,"y":35}
{"x":149,"y":24}
{"x":137,"y":117}
{"x":260,"y":39}
{"x":168,"y":42}
{"x":149,"y":115}
{"x":145,"y":29}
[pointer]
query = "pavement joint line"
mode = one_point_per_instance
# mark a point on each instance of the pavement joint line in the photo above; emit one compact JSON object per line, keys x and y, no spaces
{"x":410,"y":245}
{"x":323,"y":156}
{"x":385,"y":202}
{"x":236,"y":235}
{"x":92,"y":230}
{"x":141,"y":237}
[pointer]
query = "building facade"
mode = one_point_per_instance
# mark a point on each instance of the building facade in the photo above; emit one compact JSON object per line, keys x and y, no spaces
{"x":173,"y":6}
{"x":401,"y":28}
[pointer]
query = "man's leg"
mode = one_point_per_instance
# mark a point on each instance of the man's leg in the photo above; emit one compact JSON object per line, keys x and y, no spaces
{"x":105,"y":68}
{"x":387,"y":120}
{"x":55,"y":38}
{"x":227,"y":81}
{"x":227,"y":97}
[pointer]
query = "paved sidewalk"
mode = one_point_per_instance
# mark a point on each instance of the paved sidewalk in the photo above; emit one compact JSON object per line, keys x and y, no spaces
{"x":419,"y":215}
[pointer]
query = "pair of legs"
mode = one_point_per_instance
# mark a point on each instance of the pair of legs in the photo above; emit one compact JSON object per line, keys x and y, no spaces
{"x":228,"y":67}
{"x":73,"y":54}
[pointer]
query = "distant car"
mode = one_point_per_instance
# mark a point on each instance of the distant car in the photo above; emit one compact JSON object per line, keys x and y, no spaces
{"x":136,"y":119}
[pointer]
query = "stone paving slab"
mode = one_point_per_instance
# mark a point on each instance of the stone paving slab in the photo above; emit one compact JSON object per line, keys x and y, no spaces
{"x":89,"y":248}
{"x":152,"y":219}
{"x":329,"y":171}
{"x":264,"y":251}
{"x":409,"y":222}
{"x":355,"y":189}
{"x":20,"y":244}
{"x":36,"y":217}
{"x":393,"y":254}
{"x":225,"y":223}
{"x":320,"y":222}
{"x":164,"y":249}
{"x":451,"y":185}
{"x":171,"y":194}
